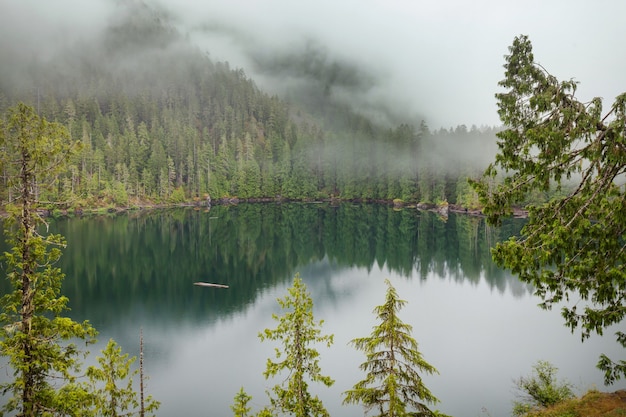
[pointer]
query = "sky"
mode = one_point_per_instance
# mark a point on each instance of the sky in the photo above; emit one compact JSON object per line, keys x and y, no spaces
{"x":434,"y":60}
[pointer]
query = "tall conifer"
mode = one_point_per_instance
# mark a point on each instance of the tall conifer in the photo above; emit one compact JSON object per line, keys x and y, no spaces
{"x":393,"y":385}
{"x":298,"y":332}
{"x":35,"y":337}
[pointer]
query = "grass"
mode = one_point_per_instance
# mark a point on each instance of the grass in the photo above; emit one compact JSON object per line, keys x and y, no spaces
{"x":593,"y":404}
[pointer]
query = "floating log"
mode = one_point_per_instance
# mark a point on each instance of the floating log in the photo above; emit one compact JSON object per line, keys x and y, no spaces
{"x":208,"y":284}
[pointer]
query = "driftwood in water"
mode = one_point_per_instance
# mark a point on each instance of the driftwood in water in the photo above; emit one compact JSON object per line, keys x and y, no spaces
{"x":208,"y":284}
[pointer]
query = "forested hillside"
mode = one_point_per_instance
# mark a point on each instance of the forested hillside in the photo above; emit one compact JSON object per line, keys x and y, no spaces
{"x":160,"y":121}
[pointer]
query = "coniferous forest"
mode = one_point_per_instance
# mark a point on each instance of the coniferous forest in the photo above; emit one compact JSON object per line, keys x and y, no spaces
{"x":161,"y":122}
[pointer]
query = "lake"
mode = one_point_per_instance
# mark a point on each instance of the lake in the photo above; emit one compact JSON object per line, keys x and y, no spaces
{"x":477,"y":324}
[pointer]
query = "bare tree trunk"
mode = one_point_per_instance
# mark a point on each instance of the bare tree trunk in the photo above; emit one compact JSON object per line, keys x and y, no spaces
{"x":141,"y":399}
{"x":28,"y":292}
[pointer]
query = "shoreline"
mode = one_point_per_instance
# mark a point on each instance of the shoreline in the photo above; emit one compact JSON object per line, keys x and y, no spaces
{"x":442,"y":209}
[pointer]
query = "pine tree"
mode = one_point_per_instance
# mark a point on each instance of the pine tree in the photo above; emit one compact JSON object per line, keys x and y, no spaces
{"x":298,"y":332}
{"x":393,"y":384}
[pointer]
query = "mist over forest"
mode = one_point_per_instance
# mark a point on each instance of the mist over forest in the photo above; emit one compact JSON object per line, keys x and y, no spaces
{"x":162,"y":120}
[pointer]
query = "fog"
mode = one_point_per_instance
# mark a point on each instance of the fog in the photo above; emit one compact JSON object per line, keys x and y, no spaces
{"x":396,"y":60}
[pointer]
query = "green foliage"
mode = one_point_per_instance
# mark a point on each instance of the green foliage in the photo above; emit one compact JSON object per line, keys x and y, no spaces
{"x":466,"y":196}
{"x":265,"y":412}
{"x":38,"y":342}
{"x":177,"y":196}
{"x":109,"y":397}
{"x":35,"y":337}
{"x":240,"y":406}
{"x":551,"y":140}
{"x":393,"y":385}
{"x":209,"y":129}
{"x":298,"y":332}
{"x":541,"y":389}
{"x":119,"y":195}
{"x":249,"y":180}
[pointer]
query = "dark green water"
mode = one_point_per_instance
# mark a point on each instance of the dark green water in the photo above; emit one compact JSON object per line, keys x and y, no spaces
{"x":474,"y":322}
{"x":151,"y":259}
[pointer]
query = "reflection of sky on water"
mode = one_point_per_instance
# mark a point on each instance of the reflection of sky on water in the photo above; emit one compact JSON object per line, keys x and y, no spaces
{"x":478,"y":338}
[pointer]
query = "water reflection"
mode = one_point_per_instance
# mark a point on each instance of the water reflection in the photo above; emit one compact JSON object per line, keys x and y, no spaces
{"x":155,"y":257}
{"x":478,"y":325}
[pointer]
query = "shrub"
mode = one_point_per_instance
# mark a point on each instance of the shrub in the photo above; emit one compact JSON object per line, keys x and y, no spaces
{"x":178,"y":195}
{"x":541,"y":389}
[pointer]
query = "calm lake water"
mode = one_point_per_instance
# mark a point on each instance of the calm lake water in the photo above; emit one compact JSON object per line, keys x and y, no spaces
{"x":478,"y":325}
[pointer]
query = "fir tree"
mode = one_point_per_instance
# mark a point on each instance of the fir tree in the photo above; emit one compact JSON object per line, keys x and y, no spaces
{"x":298,"y":331}
{"x":35,"y":337}
{"x":393,"y":385}
{"x":112,"y":397}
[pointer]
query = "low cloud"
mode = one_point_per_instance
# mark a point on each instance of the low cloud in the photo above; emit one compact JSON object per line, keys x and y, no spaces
{"x":397,"y":60}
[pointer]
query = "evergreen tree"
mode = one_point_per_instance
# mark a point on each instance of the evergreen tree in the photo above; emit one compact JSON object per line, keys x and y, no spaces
{"x":35,"y":337}
{"x":223,"y":171}
{"x":393,"y":384}
{"x":297,"y":331}
{"x":573,"y":244}
{"x":110,"y":399}
{"x":240,"y":406}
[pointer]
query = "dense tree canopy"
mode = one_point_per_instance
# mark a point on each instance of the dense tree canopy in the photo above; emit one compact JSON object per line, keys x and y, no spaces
{"x":187,"y":127}
{"x":190,"y":144}
{"x":176,"y":125}
{"x":572,"y":248}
